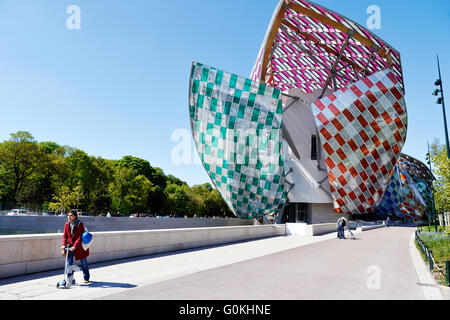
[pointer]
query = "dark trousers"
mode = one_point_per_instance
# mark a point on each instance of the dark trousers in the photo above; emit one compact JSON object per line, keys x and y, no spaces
{"x":84,"y":267}
{"x":341,"y":232}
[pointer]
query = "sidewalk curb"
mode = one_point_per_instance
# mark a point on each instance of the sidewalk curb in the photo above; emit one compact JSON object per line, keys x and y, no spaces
{"x":426,"y":280}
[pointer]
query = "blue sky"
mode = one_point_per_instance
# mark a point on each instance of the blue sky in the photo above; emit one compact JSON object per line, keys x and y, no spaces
{"x":119,"y":85}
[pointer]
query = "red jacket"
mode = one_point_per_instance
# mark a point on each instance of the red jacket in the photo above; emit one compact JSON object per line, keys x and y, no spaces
{"x":75,"y":240}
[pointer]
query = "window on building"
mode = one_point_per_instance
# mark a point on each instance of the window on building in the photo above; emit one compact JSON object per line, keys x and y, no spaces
{"x":302,"y":212}
{"x":313,"y":147}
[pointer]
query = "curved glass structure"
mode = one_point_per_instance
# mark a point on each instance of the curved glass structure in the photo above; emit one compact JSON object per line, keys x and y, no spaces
{"x":362,"y":129}
{"x":308,"y":46}
{"x":236,"y":125}
{"x":321,"y":120}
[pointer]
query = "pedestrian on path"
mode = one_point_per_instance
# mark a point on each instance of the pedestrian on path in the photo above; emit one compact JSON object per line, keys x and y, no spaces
{"x":341,"y":223}
{"x":73,"y":231}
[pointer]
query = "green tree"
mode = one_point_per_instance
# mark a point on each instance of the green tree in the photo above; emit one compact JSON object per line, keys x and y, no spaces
{"x":94,"y":175}
{"x":441,"y":170}
{"x":52,"y":172}
{"x":63,"y":200}
{"x":120,"y":187}
{"x":49,"y":147}
{"x":6,"y":179}
{"x":157,"y":177}
{"x":212,"y":203}
{"x":139,"y":191}
{"x":216,"y":206}
{"x":59,"y":177}
{"x":174,"y":180}
{"x":77,"y":195}
{"x":100,"y":198}
{"x":177,"y":201}
{"x":140,"y":166}
{"x":21,"y":157}
{"x":156,"y":200}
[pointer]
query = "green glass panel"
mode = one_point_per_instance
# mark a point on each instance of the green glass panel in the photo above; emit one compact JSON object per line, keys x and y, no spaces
{"x":227,"y":108}
{"x":236,"y":145}
{"x":219,"y":77}
{"x":213,"y":106}
{"x":255,"y":115}
{"x":233,"y":81}
{"x":205,"y":74}
{"x":195,"y":86}
{"x":269,"y":118}
{"x":209,"y":89}
{"x":247,"y":85}
{"x":251,"y":100}
{"x":262,"y":89}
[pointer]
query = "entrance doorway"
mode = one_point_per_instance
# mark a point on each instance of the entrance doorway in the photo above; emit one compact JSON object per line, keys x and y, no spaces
{"x":296,"y":213}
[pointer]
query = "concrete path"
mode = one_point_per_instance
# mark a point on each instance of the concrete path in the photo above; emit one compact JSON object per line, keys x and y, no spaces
{"x":377,"y":265}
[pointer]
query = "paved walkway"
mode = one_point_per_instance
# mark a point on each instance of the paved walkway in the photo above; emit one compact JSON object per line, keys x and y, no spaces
{"x":379,"y":264}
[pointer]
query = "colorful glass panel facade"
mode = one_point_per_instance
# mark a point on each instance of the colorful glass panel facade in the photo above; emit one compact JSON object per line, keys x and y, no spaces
{"x":303,"y":41}
{"x":426,"y":194}
{"x":393,"y":197}
{"x":413,"y":206}
{"x":236,"y":125}
{"x":362,"y":130}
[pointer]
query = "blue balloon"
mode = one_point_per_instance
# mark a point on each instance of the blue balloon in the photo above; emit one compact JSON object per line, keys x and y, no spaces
{"x":86,"y":237}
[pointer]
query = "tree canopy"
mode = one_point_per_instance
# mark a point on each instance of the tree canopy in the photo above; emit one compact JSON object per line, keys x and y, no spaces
{"x":60,"y":178}
{"x":441,"y":170}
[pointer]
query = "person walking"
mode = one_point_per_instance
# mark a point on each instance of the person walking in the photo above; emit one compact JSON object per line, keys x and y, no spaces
{"x":341,"y":223}
{"x":73,"y":231}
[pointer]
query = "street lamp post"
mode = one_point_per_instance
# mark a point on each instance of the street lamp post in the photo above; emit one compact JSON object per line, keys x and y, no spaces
{"x":441,"y":101}
{"x":433,"y":210}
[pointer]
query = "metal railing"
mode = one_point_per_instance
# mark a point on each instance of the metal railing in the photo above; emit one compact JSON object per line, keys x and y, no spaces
{"x":428,"y":254}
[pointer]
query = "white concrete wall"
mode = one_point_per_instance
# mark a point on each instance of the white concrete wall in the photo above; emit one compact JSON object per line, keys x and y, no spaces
{"x":324,"y":213}
{"x":51,"y":224}
{"x":316,"y":229}
{"x":370,"y":227}
{"x":296,"y":229}
{"x":303,"y":229}
{"x":23,"y":254}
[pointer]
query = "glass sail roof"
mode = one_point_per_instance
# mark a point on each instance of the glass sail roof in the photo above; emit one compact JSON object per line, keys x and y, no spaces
{"x":311,"y":47}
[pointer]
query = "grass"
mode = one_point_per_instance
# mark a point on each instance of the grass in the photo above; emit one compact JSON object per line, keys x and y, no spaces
{"x":439,"y":243}
{"x":445,"y":229}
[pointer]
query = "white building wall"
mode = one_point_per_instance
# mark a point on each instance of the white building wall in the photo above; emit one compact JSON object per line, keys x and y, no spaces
{"x":324,"y":213}
{"x":309,"y":175}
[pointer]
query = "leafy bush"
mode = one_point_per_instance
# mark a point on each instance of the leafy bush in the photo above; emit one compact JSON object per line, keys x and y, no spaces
{"x":439,"y":243}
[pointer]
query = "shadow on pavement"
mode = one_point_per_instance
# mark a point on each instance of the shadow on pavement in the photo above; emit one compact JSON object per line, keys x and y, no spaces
{"x":170,"y":253}
{"x":94,"y":265}
{"x":102,"y":284}
{"x":32,"y":276}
